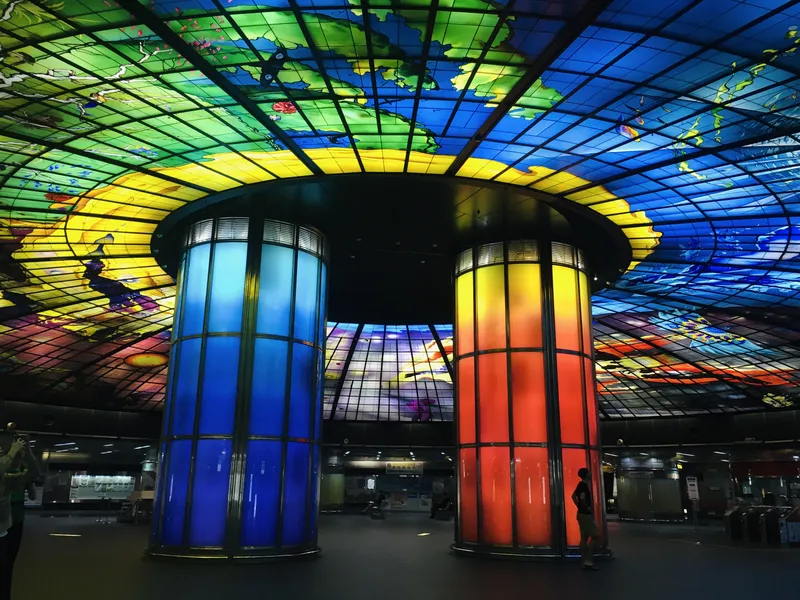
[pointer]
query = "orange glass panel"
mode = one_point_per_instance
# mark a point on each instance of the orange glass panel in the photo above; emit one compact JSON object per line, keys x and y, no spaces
{"x":572,"y":459}
{"x":531,"y":494}
{"x":469,"y":496}
{"x":496,"y":497}
{"x":490,"y":301}
{"x":525,"y":306}
{"x":586,"y":312}
{"x":597,"y":493}
{"x":466,"y":400}
{"x":528,"y":397}
{"x":591,"y":401}
{"x":565,"y":301}
{"x":570,"y":399}
{"x":493,"y":397}
{"x":465,"y":332}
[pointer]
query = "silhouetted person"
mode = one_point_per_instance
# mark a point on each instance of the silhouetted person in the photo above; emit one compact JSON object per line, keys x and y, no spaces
{"x":444,"y":504}
{"x":582,"y":497}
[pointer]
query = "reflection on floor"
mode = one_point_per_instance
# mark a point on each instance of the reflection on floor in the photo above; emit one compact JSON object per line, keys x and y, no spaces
{"x":366,"y":560}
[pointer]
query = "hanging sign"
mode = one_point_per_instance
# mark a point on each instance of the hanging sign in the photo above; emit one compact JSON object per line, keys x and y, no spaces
{"x":405,"y":467}
{"x":691,"y":488}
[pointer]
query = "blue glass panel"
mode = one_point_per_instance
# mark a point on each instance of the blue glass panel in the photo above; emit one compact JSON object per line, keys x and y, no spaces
{"x":269,"y":387}
{"x":185,"y":398}
{"x":295,"y":485}
{"x":220,"y":378}
{"x":314,"y":491}
{"x":212,"y":469}
{"x":305,"y":304}
{"x":320,"y":390}
{"x":159,"y":490}
{"x":194,"y":299}
{"x":302,"y":392}
{"x":262,"y":486}
{"x":179,"y":292}
{"x":227,"y":287}
{"x":275,"y":290}
{"x":176,"y":483}
{"x":323,"y":303}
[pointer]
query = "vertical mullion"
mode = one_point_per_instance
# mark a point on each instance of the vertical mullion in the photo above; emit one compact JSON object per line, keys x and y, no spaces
{"x":478,"y":507}
{"x":457,"y":432}
{"x":510,"y":398}
{"x":288,"y":386}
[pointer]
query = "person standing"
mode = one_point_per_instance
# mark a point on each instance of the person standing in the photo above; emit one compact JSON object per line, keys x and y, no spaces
{"x":582,"y":497}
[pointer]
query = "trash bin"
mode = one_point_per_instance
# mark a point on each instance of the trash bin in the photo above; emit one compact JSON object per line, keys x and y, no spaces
{"x":733,"y":523}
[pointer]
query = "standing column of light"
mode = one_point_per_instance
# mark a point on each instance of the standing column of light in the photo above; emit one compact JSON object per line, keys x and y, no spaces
{"x":239,"y":472}
{"x":526,"y":406}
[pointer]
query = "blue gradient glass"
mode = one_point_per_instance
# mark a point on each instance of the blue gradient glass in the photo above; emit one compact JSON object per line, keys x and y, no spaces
{"x":227,"y":287}
{"x":275,"y":290}
{"x":268,"y":395}
{"x":194,"y":298}
{"x":302,"y":391}
{"x":305,"y":304}
{"x":262,"y":486}
{"x":220,"y":377}
{"x":323,"y":303}
{"x":176,"y":484}
{"x":212,"y":469}
{"x":314,"y":483}
{"x":185,"y":398}
{"x":295,"y":486}
{"x":159,"y":490}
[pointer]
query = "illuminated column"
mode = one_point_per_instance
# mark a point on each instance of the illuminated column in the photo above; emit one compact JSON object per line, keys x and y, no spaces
{"x":239,"y":473}
{"x":526,"y":407}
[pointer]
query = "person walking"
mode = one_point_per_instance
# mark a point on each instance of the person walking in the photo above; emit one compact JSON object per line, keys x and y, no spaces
{"x":582,"y":497}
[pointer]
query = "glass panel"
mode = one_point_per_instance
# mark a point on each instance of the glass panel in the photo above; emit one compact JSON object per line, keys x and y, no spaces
{"x":586,"y":312}
{"x":176,"y":483}
{"x":465,"y":324}
{"x":194,"y":300}
{"x":490,"y":307}
{"x":262,"y":485}
{"x":302,"y":392}
{"x":496,"y":497}
{"x":185,"y":399}
{"x":468,"y":501}
{"x":296,"y":484}
{"x":565,"y":300}
{"x":220,"y":378}
{"x":268,"y":398}
{"x":275,"y":290}
{"x":227,"y":287}
{"x":323,"y":306}
{"x":305,"y":304}
{"x":570,"y":399}
{"x":573,"y":459}
{"x":531,"y":480}
{"x":493,"y":397}
{"x":525,"y":306}
{"x":597,"y":490}
{"x":591,"y":401}
{"x":466,"y":400}
{"x":528,"y":397}
{"x":209,"y":510}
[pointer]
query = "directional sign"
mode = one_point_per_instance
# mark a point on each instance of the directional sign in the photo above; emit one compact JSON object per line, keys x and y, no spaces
{"x":692,"y":489}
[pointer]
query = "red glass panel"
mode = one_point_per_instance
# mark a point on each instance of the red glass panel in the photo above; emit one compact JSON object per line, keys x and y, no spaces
{"x":525,"y":306}
{"x":528,"y":397}
{"x":465,"y":317}
{"x":597,"y":491}
{"x":496,"y":497}
{"x":466,"y":400}
{"x":532,"y":496}
{"x":570,"y":399}
{"x":491,"y":307}
{"x":572,"y":459}
{"x":493,"y":398}
{"x":565,"y":301}
{"x":591,"y":401}
{"x":469,"y":496}
{"x":586,"y":312}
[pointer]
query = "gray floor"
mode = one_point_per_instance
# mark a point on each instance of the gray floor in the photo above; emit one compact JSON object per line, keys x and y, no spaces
{"x":386,"y":560}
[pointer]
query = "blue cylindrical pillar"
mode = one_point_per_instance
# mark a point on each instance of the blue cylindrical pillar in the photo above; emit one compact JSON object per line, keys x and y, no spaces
{"x":240,"y":450}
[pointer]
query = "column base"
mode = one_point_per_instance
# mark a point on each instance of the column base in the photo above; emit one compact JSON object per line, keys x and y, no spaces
{"x":218,"y":555}
{"x":532,"y":554}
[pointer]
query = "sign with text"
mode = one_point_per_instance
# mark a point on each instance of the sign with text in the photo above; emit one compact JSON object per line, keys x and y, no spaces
{"x":691,"y":488}
{"x":405,"y":467}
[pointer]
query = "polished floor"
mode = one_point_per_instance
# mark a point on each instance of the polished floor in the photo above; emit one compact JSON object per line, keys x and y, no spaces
{"x":387,"y":560}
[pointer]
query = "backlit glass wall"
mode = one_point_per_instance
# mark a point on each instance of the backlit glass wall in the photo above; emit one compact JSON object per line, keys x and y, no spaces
{"x":241,"y":445}
{"x":526,"y":406}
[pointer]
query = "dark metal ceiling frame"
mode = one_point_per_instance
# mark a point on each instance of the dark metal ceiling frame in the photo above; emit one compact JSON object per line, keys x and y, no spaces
{"x":164,"y":31}
{"x":563,"y":40}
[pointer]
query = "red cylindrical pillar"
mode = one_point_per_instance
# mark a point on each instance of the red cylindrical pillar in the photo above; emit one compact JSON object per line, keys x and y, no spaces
{"x":525,"y":398}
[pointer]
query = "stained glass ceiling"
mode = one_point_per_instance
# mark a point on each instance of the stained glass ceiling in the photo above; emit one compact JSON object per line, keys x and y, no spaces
{"x":677,"y":120}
